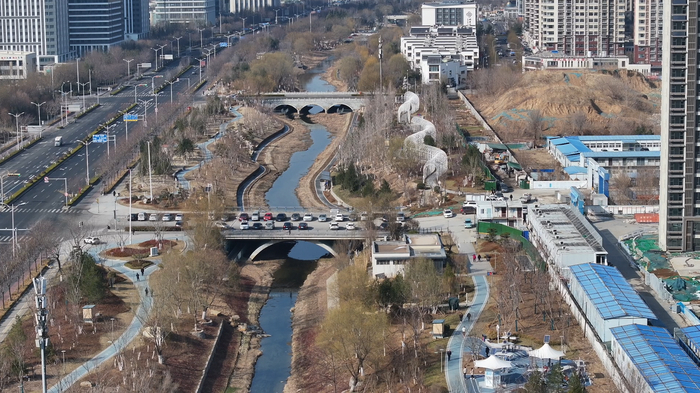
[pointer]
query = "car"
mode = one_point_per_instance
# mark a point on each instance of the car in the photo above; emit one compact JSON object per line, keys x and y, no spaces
{"x":255,"y":216}
{"x":178,"y":217}
{"x":178,"y":224}
{"x":142,"y":216}
{"x":468,"y":210}
{"x":468,"y":223}
{"x":132,"y":217}
{"x":269,"y":224}
{"x":296,"y":217}
{"x":308,"y":217}
{"x":303,"y":226}
{"x":243,"y":217}
{"x":448,"y":213}
{"x":333,"y":226}
{"x":322,"y":218}
{"x":167,"y":217}
{"x":244,"y":225}
{"x":91,"y":240}
{"x":153,"y":217}
{"x":268,"y":217}
{"x":364,"y":216}
{"x":350,"y":226}
{"x":287,"y":226}
{"x":339,"y":217}
{"x":257,"y":225}
{"x":221,"y":225}
{"x":352,"y":216}
{"x":469,"y":204}
{"x":400,"y":217}
{"x":526,"y":198}
{"x":281,"y":217}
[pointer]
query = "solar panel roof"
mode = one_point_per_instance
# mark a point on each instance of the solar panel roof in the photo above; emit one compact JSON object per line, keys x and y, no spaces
{"x":692,"y":333}
{"x":659,"y":358}
{"x":609,"y":292}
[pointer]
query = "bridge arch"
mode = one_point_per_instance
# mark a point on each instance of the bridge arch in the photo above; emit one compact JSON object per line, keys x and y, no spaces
{"x":339,"y":108}
{"x":271,"y":243}
{"x":285,"y":108}
{"x":312,"y":108}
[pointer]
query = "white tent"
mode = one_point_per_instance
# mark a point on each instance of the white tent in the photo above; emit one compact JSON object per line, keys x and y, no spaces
{"x":493,"y":362}
{"x":546,"y":352}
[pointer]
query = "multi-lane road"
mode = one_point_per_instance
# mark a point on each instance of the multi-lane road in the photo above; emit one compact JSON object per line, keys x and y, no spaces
{"x":45,"y":201}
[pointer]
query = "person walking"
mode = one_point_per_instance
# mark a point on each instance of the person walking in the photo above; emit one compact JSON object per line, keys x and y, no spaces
{"x":511,"y":197}
{"x":473,"y":257}
{"x":469,"y":316}
{"x":146,"y":290}
{"x":472,"y":376}
{"x":449,"y":355}
{"x":142,"y":272}
{"x":464,"y":331}
{"x":137,"y":277}
{"x":464,"y":372}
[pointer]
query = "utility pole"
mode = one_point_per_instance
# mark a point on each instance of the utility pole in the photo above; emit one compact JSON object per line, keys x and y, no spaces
{"x":244,"y":24}
{"x":201,"y":37}
{"x":145,"y":111}
{"x":107,"y":128}
{"x":87,"y":161}
{"x":150,"y":179}
{"x":128,"y":69}
{"x":178,"y":45}
{"x":277,"y":10}
{"x":17,"y":125}
{"x":381,"y":87}
{"x":38,"y":109}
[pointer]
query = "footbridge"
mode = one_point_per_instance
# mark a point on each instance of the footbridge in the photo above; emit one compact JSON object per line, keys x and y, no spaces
{"x":251,"y":242}
{"x":331,"y":102}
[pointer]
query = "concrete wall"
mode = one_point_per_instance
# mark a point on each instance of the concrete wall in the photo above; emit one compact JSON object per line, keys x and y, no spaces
{"x":200,"y":385}
{"x":556,"y":185}
{"x":629,"y":209}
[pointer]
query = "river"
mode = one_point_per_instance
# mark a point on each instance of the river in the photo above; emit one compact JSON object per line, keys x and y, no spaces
{"x":274,"y":367}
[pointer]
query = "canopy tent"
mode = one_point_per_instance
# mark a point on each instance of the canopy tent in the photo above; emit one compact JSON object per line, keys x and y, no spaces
{"x":546,"y":352}
{"x":493,"y":362}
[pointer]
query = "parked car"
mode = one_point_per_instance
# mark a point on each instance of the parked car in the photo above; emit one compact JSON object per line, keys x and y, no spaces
{"x":244,"y":225}
{"x":364,"y":216}
{"x":322,"y":218}
{"x":281,"y":217}
{"x":132,"y":217}
{"x":287,"y":226}
{"x":333,"y":226}
{"x":268,"y":217}
{"x":257,"y":225}
{"x":296,"y":217}
{"x":526,"y":198}
{"x":222,"y":225}
{"x":269,"y":224}
{"x":167,"y":217}
{"x":339,"y":217}
{"x":178,"y":224}
{"x":350,"y":226}
{"x":468,"y":223}
{"x":255,"y":216}
{"x":400,"y":217}
{"x":243,"y":217}
{"x":303,"y":226}
{"x":178,"y":217}
{"x":142,"y":216}
{"x":91,"y":240}
{"x":448,"y":213}
{"x":308,"y":217}
{"x":352,"y":216}
{"x":153,"y":217}
{"x":225,"y":217}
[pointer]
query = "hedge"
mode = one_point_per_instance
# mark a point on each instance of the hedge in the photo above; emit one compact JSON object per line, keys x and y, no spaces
{"x":199,"y":85}
{"x":117,"y":91}
{"x":14,"y":153}
{"x":86,"y":111}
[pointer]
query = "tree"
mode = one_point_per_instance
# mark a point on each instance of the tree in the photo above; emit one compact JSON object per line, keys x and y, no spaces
{"x":185,"y":147}
{"x":578,"y":122}
{"x":349,"y":68}
{"x":353,"y":283}
{"x":576,"y":384}
{"x":424,"y":282}
{"x":369,"y":78}
{"x":536,"y":124}
{"x":536,"y":383}
{"x":15,"y":348}
{"x":356,"y":336}
{"x":621,"y":184}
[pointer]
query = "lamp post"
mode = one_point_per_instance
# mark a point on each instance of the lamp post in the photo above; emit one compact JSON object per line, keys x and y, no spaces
{"x":83,"y":85}
{"x":162,"y":52}
{"x":87,"y":160}
{"x":178,"y":45}
{"x":38,"y":109}
{"x":171,"y":89}
{"x":200,"y":69}
{"x":277,"y":10}
{"x":131,"y":232}
{"x":150,"y":179}
{"x":153,"y":81}
{"x":155,"y":50}
{"x":128,"y":69}
{"x":14,"y":230}
{"x":145,"y":111}
{"x":17,"y":115}
{"x":201,"y":37}
{"x":442,"y":350}
{"x":107,"y":128}
{"x":243,"y":19}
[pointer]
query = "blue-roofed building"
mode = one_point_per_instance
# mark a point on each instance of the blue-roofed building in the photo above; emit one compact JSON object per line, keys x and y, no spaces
{"x":607,"y":298}
{"x":689,"y":338}
{"x":652,"y":361}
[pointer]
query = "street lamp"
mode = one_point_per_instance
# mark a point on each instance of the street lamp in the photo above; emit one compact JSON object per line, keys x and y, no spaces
{"x":441,"y":352}
{"x":162,"y":52}
{"x":17,"y":125}
{"x":200,"y":69}
{"x":178,"y":45}
{"x":128,"y":70}
{"x":171,"y":89}
{"x":145,"y":111}
{"x":83,"y":85}
{"x":201,"y":37}
{"x":87,"y":161}
{"x":14,"y":230}
{"x":38,"y":109}
{"x":150,"y":180}
{"x":156,"y":56}
{"x":153,"y":86}
{"x":277,"y":10}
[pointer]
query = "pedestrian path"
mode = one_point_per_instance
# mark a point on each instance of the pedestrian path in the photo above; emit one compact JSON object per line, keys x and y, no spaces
{"x":29,"y":210}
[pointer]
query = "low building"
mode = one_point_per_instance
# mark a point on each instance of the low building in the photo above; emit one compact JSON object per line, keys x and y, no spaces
{"x":390,"y":257}
{"x":606,"y":298}
{"x":453,"y":13}
{"x":689,"y":339}
{"x":510,"y":213}
{"x":17,"y":65}
{"x":435,"y":67}
{"x":652,"y":361}
{"x":564,"y":236}
{"x":559,"y":61}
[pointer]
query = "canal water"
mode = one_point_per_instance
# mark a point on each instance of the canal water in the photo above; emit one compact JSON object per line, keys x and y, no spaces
{"x":274,"y":366}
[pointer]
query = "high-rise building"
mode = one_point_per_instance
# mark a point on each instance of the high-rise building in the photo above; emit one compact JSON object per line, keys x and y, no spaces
{"x":238,"y":6}
{"x":459,"y":13}
{"x":38,"y":26}
{"x":576,"y":28}
{"x":648,"y":15}
{"x":95,"y":24}
{"x":679,"y":197}
{"x":201,"y":12}
{"x":137,"y":22}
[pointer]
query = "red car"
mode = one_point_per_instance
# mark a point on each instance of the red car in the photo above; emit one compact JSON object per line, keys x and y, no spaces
{"x":244,"y":217}
{"x":268,"y":217}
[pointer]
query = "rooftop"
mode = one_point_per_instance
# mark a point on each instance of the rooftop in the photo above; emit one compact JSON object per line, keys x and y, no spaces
{"x":609,"y":292}
{"x":566,"y":228}
{"x":659,"y":358}
{"x":397,"y":248}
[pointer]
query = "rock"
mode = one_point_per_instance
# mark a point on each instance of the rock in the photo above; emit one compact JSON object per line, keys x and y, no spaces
{"x":86,"y":384}
{"x":235,"y":318}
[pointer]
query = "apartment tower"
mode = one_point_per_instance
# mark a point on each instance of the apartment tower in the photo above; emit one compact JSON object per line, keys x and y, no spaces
{"x":648,"y":15}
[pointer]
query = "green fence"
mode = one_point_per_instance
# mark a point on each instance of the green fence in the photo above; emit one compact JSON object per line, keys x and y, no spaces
{"x":515,"y":234}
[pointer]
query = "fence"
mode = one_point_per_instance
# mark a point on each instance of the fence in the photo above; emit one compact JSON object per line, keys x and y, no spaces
{"x":200,"y":385}
{"x":515,"y":234}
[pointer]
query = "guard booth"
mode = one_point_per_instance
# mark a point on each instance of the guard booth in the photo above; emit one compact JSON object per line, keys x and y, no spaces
{"x":438,"y":328}
{"x":87,"y":313}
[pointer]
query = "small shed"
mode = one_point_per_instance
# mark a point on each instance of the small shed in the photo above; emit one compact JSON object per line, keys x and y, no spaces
{"x":438,"y":328}
{"x":87,"y":313}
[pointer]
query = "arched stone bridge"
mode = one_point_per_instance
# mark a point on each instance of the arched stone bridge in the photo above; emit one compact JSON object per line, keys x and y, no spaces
{"x":331,"y":102}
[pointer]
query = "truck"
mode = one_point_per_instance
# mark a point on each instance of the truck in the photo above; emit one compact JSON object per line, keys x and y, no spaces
{"x":58,"y":141}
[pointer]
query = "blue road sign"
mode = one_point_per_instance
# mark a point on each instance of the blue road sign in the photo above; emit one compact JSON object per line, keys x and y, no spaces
{"x":130,"y":117}
{"x":99,"y":138}
{"x":223,"y":44}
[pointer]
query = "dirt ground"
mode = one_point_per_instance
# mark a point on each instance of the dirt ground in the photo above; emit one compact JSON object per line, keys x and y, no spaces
{"x":337,"y":126}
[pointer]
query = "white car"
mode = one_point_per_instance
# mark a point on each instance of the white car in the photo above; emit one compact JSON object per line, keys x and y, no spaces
{"x":221,"y":225}
{"x":244,"y":225}
{"x":255,"y":216}
{"x":308,"y":217}
{"x":178,"y":217}
{"x":167,"y":217}
{"x":339,"y":217}
{"x":333,"y":226}
{"x":153,"y":217}
{"x":350,"y":226}
{"x":322,"y":218}
{"x":448,"y":213}
{"x":400,"y":217}
{"x":91,"y":240}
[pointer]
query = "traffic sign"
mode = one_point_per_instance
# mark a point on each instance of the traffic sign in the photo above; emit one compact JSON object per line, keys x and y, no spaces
{"x":99,"y":138}
{"x":130,"y":117}
{"x":46,"y":179}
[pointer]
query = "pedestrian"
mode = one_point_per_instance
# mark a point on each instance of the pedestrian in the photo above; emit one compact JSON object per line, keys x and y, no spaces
{"x":464,"y":331}
{"x":511,"y":197}
{"x":460,"y":316}
{"x":289,"y":230}
{"x":137,"y":277}
{"x":478,"y":257}
{"x":474,"y":257}
{"x":146,"y":290}
{"x":464,"y":372}
{"x":142,"y":271}
{"x":487,"y":350}
{"x":472,"y":376}
{"x":469,"y":316}
{"x":449,"y":355}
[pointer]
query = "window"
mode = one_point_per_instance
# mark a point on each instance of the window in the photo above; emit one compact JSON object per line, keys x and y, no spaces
{"x":676,"y":197}
{"x":675,"y":211}
{"x":675,"y":226}
{"x":675,"y":181}
{"x":674,"y":242}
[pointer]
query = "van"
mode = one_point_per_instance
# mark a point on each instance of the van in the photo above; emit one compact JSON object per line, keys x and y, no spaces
{"x":58,"y":141}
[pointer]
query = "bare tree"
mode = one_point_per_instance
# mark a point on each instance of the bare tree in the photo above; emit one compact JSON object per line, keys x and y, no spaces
{"x":578,"y":122}
{"x":536,"y":125}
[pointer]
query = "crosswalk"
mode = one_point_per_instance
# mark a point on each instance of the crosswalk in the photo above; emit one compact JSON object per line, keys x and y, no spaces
{"x":29,"y":210}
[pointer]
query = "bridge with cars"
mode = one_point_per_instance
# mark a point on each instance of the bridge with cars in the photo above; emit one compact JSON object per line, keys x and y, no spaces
{"x":331,"y":102}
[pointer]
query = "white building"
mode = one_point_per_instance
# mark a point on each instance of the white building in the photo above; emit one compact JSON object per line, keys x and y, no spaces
{"x":17,"y":65}
{"x":560,"y":61}
{"x":648,"y":35}
{"x":564,"y":237}
{"x":606,"y":298}
{"x":201,"y":12}
{"x":581,"y":28}
{"x":37,"y":26}
{"x":510,"y":213}
{"x":238,"y":6}
{"x":435,"y":67}
{"x":390,"y":257}
{"x":457,"y":13}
